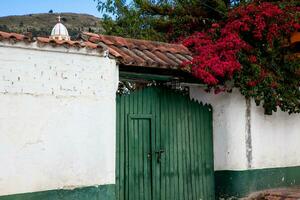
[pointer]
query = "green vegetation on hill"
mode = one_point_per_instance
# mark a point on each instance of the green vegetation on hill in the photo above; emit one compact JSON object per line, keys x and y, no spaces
{"x":42,"y":24}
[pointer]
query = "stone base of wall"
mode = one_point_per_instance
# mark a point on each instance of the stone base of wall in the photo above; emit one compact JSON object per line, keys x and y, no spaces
{"x":103,"y":192}
{"x":237,"y":184}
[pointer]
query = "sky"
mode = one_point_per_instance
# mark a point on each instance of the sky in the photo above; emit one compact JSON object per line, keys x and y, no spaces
{"x":21,"y":7}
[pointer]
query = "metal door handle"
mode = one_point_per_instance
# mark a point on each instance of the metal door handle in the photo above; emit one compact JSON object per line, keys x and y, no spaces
{"x":158,"y":153}
{"x":149,"y":155}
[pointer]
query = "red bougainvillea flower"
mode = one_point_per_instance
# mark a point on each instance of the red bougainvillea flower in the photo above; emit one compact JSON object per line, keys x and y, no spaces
{"x":252,"y":83}
{"x":215,"y":59}
{"x":252,"y":59}
{"x":215,"y":25}
{"x":249,"y":45}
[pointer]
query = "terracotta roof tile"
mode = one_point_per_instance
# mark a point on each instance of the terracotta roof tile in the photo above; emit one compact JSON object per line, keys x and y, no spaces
{"x":43,"y":40}
{"x":295,"y":38}
{"x":14,"y":36}
{"x":156,"y":59}
{"x":142,"y":52}
{"x":127,"y":51}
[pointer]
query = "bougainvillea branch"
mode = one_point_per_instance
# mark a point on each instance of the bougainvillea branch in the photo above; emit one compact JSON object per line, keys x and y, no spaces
{"x":250,"y":49}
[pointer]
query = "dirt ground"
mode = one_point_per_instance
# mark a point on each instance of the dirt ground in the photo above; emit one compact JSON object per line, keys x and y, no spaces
{"x":276,"y":194}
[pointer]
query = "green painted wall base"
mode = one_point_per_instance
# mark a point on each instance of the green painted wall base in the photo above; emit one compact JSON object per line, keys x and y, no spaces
{"x":103,"y":192}
{"x":241,"y":183}
{"x":228,"y":184}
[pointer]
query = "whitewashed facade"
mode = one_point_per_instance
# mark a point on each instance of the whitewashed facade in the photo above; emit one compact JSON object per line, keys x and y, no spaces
{"x":252,"y":151}
{"x":58,"y":128}
{"x":57,"y":118}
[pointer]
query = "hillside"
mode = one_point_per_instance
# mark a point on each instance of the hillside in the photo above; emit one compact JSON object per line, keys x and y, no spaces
{"x":42,"y":24}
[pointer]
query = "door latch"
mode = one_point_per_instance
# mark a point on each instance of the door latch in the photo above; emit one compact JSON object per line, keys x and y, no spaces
{"x":159,"y":153}
{"x":149,"y":156}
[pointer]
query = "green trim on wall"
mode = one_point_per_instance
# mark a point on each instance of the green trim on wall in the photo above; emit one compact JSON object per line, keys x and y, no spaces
{"x":131,"y":75}
{"x":103,"y":192}
{"x":241,"y":183}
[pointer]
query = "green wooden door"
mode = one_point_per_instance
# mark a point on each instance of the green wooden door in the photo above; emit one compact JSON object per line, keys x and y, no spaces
{"x":164,"y":147}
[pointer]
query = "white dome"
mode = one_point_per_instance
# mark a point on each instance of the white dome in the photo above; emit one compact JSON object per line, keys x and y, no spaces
{"x":59,"y":29}
{"x":59,"y":32}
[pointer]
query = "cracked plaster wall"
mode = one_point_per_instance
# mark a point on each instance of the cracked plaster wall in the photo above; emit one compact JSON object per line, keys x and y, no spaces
{"x":57,"y":120}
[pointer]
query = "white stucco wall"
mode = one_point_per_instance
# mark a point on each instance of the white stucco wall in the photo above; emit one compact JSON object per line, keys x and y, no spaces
{"x":57,"y":118}
{"x":228,"y":127}
{"x":275,"y":139}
